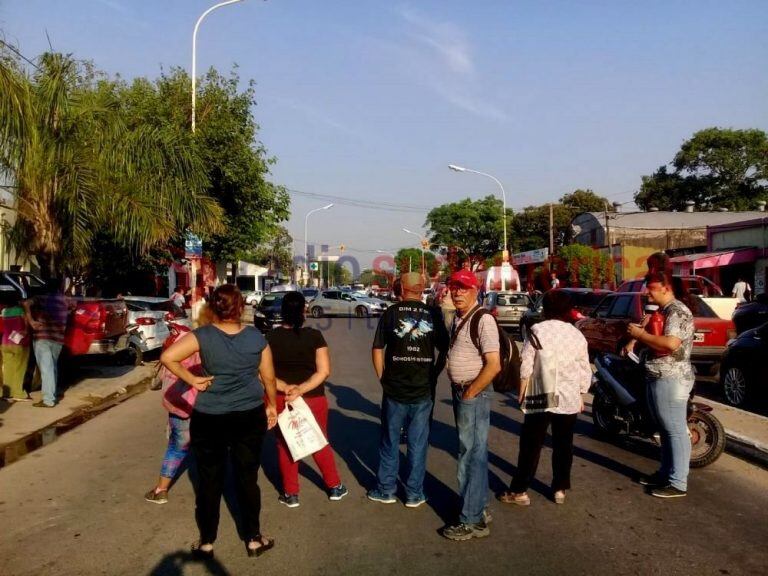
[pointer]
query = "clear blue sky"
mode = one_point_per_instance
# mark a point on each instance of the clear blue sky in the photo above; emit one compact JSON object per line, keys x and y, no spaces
{"x":371,"y":100}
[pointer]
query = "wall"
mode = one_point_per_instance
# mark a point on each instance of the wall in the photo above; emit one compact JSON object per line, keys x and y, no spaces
{"x":756,"y":236}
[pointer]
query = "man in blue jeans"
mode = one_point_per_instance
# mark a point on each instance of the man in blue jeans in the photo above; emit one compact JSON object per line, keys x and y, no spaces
{"x":471,"y":369}
{"x":47,"y":316}
{"x":408,"y":354}
{"x":669,"y":378}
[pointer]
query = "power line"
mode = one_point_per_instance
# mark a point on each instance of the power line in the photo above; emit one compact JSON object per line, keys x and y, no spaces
{"x":371,"y":205}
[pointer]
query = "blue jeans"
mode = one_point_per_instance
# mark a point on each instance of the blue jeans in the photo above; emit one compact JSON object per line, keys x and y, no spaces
{"x":47,"y":358}
{"x":178,"y":446}
{"x":668,"y":401}
{"x":415,"y":419}
{"x":473,"y":419}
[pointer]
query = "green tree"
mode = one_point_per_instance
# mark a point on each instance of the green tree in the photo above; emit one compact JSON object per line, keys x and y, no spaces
{"x":337,"y":274}
{"x":530,"y":227}
{"x":409,"y":260}
{"x":78,"y":167}
{"x":717,"y":167}
{"x":473,"y":226}
{"x":588,"y":268}
{"x":585,"y":201}
{"x":275,"y":252}
{"x":369,"y":277}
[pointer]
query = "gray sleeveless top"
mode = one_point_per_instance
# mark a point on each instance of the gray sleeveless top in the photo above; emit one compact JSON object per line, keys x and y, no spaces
{"x":233,"y":361}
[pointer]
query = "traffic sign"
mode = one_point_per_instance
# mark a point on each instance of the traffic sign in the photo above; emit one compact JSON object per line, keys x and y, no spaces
{"x":313,"y":266}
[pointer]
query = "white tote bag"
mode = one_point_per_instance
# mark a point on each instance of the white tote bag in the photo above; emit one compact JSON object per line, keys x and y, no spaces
{"x":300,"y":430}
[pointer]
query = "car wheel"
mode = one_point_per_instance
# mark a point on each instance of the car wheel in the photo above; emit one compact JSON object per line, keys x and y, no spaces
{"x":133,"y":356}
{"x":317,"y":312}
{"x":361,"y":312}
{"x":735,"y":386}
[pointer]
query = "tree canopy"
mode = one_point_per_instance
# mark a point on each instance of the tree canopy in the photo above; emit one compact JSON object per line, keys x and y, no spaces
{"x":409,"y":260}
{"x":717,"y":167}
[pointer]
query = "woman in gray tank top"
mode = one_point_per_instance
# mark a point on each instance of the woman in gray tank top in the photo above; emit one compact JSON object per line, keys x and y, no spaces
{"x":233,"y":411}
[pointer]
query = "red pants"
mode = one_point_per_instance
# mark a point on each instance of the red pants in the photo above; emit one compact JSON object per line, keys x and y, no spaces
{"x":289,"y":469}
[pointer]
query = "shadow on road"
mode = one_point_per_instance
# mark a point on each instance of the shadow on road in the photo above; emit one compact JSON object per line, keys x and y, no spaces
{"x":173,"y":565}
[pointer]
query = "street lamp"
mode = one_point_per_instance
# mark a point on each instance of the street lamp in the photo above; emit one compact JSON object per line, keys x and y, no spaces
{"x":194,"y":53}
{"x":306,"y":240}
{"x":422,"y":240}
{"x":455,"y":168}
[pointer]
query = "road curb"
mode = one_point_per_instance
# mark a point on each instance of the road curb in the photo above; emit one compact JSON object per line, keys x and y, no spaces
{"x":13,"y":451}
{"x":746,"y":448}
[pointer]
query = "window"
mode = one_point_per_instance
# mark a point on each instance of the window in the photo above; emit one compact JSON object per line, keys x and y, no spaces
{"x":602,"y":310}
{"x":622,"y":307}
{"x":512,"y":300}
{"x":332,"y":295}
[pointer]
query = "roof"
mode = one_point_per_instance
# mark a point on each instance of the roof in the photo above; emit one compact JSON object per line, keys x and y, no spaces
{"x":719,"y":257}
{"x":671,"y":220}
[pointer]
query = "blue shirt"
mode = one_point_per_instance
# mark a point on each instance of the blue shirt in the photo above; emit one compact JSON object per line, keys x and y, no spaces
{"x":233,"y":361}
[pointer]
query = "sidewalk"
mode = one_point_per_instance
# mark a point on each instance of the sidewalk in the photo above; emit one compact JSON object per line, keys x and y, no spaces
{"x":24,"y":428}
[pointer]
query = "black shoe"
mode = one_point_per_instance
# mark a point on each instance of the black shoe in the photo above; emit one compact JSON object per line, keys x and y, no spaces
{"x":668,"y":492}
{"x":290,"y":500}
{"x":654,"y":480}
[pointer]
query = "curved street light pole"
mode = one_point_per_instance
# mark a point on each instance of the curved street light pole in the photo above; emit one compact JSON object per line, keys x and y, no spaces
{"x":194,"y":53}
{"x":454,"y":167}
{"x":306,"y":238}
{"x":421,"y":243}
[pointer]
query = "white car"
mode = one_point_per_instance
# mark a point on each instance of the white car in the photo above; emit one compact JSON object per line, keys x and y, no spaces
{"x":150,"y":314}
{"x":252,"y":297}
{"x":338,"y":303}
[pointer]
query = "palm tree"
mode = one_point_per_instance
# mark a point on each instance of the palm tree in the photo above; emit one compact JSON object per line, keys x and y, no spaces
{"x":78,"y":169}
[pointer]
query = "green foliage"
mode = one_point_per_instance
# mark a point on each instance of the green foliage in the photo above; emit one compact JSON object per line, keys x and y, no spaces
{"x":717,"y":167}
{"x":585,"y":201}
{"x":337,"y":275}
{"x":409,"y":260}
{"x":369,"y":277}
{"x":588,"y":268}
{"x":275,"y":252}
{"x":472,"y":225}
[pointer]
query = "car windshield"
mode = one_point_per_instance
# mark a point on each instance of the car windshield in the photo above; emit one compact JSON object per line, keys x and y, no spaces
{"x":512,"y":300}
{"x":271,"y":300}
{"x":587,"y":300}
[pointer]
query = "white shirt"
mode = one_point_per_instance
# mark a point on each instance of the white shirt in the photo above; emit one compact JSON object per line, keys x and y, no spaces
{"x":740,"y":289}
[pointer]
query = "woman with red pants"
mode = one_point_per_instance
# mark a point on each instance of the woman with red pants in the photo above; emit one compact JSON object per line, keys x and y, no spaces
{"x":302,"y":365}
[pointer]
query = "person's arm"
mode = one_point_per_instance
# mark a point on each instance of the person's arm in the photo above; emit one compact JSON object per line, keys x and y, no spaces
{"x":442,"y":342}
{"x":322,"y":372}
{"x":662,"y":343}
{"x":180,"y":350}
{"x":267,"y":376}
{"x":377,"y":356}
{"x":527,"y":357}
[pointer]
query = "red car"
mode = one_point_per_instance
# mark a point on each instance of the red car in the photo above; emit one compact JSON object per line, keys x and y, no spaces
{"x":606,"y":328}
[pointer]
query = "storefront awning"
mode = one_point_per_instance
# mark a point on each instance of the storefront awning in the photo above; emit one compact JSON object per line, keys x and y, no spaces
{"x":717,"y":259}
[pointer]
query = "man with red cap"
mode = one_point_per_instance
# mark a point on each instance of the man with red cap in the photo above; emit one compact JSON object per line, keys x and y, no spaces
{"x":472,"y":365}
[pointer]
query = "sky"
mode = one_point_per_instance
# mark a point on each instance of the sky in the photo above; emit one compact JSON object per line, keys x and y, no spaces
{"x":370,"y":100}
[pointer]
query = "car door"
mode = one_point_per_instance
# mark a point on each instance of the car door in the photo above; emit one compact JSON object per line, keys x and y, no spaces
{"x":594,"y":326}
{"x":614,"y":333}
{"x":331,"y":302}
{"x":347,"y":304}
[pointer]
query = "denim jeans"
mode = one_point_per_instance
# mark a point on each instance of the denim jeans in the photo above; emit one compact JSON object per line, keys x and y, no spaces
{"x":178,"y":446}
{"x":668,"y":402}
{"x":47,"y":358}
{"x":415,"y":419}
{"x":473,"y":419}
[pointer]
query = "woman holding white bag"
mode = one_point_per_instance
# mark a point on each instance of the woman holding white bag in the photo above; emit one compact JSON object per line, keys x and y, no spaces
{"x":302,"y":364}
{"x":554,"y":374}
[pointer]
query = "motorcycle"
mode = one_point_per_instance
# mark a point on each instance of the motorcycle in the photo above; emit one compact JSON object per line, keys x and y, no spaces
{"x":620,"y":408}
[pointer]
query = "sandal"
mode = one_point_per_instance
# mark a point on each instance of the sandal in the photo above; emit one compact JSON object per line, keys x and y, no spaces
{"x":200,"y":553}
{"x":265,"y":545}
{"x":521,"y":499}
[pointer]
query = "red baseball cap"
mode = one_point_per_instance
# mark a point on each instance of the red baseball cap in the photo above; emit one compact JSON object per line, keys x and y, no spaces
{"x":463,"y":278}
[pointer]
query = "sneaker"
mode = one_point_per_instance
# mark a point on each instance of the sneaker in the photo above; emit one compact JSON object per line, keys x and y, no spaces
{"x":290,"y":500}
{"x":487,"y":518}
{"x":415,"y":501}
{"x":42,"y":404}
{"x":156,"y":497}
{"x":462,"y":531}
{"x":668,"y":492}
{"x":378,"y":496}
{"x":337,"y":493}
{"x":654,"y":480}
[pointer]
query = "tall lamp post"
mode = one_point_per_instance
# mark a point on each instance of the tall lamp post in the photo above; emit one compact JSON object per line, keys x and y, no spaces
{"x":422,"y":240}
{"x":454,"y":167}
{"x":194,"y":53}
{"x":306,"y":237}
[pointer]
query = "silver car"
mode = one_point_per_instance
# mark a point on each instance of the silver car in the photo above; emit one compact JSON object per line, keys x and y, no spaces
{"x":338,"y":303}
{"x":507,"y":307}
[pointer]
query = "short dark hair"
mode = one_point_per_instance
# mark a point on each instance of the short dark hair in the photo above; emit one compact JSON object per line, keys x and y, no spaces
{"x":659,"y":262}
{"x":227,"y":302}
{"x":292,"y":310}
{"x":557,"y":305}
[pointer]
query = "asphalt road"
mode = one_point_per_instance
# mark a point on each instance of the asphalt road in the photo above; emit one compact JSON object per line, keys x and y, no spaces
{"x":76,"y":506}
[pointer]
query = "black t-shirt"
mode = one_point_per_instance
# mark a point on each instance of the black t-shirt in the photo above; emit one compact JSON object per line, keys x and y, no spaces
{"x":410,"y":332}
{"x":294,"y":355}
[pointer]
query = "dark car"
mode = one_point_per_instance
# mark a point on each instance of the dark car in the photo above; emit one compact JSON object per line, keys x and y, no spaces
{"x":584,"y":301}
{"x":744,"y":371}
{"x":750,"y":315}
{"x":508,"y":307}
{"x":268,"y":313}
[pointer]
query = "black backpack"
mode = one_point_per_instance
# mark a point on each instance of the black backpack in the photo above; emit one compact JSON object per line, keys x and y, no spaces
{"x":509,"y":378}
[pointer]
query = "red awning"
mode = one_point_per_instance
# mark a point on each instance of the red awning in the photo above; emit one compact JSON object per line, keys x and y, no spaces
{"x":719,"y":258}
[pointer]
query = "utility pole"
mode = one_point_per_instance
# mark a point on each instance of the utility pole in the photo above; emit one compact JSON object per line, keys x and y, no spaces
{"x":551,"y":230}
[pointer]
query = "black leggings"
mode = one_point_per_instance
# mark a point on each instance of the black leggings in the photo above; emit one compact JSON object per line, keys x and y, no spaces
{"x":213,"y":437}
{"x":532,"y":439}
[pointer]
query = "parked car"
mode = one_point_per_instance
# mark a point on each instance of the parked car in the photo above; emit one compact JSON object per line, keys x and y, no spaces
{"x":338,"y":303}
{"x":252,"y":297}
{"x":508,"y":307}
{"x":696,"y":285}
{"x":151,"y":314}
{"x":309,"y":293}
{"x":750,"y":315}
{"x":583,"y":300}
{"x":744,"y":371}
{"x":606,"y":328}
{"x":268,"y":312}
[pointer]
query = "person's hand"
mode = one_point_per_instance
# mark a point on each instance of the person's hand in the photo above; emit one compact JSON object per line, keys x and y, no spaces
{"x":468,"y":394}
{"x":292,"y":392}
{"x":581,"y":409}
{"x":271,"y":417}
{"x":634,"y":330}
{"x":36,"y":325}
{"x":627,"y":348}
{"x":201,"y":383}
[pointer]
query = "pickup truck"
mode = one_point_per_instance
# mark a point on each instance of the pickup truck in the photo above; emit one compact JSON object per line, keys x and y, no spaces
{"x":95,"y":326}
